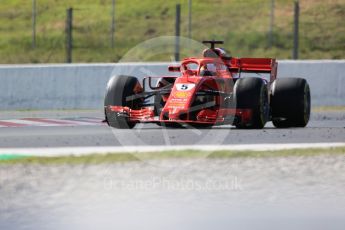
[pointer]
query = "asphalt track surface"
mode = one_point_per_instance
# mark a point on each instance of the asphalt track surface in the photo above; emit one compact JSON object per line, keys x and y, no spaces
{"x":324,"y":127}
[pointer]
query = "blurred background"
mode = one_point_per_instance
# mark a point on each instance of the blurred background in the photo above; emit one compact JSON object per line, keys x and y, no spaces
{"x":36,"y":31}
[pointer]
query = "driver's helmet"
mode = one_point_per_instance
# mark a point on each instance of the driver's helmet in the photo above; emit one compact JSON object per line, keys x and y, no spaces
{"x":211,"y":67}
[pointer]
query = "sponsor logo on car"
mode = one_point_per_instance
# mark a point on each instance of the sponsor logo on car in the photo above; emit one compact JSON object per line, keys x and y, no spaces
{"x":181,"y":94}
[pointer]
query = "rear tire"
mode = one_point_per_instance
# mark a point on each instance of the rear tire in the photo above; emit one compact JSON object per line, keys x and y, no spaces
{"x":251,"y":93}
{"x":290,"y":102}
{"x":118,"y":89}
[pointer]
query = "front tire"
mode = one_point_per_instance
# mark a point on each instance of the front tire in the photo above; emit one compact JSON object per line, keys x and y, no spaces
{"x":159,"y":103}
{"x":119,"y":88}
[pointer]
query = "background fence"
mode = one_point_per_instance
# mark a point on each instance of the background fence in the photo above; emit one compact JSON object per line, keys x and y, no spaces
{"x":249,"y":28}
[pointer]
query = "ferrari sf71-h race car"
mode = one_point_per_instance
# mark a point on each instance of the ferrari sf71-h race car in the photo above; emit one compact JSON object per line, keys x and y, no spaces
{"x":210,"y":91}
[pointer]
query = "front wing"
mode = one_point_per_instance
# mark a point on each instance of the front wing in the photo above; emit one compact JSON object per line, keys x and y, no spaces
{"x":219,"y":116}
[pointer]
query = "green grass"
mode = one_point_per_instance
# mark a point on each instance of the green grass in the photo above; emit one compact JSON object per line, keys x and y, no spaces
{"x":242,"y":24}
{"x":187,"y":154}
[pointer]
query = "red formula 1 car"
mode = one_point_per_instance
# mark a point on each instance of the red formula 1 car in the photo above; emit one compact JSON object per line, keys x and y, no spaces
{"x":210,"y":91}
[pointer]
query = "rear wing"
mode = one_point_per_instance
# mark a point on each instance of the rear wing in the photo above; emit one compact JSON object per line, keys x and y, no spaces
{"x":254,"y":65}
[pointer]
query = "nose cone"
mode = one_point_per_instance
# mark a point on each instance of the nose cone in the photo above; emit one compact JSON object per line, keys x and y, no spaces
{"x":179,"y":101}
{"x":177,"y":114}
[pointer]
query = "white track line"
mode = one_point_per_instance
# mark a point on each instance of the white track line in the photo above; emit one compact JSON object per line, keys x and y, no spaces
{"x":79,"y":151}
{"x":72,"y":122}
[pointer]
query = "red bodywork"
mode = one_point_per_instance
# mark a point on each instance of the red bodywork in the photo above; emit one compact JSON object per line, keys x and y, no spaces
{"x":180,"y":103}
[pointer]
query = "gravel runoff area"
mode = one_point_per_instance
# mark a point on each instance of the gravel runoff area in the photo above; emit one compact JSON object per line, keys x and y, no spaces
{"x":295,"y":192}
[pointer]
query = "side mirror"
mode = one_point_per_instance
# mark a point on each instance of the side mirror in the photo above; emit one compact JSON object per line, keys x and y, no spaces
{"x":174,"y":68}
